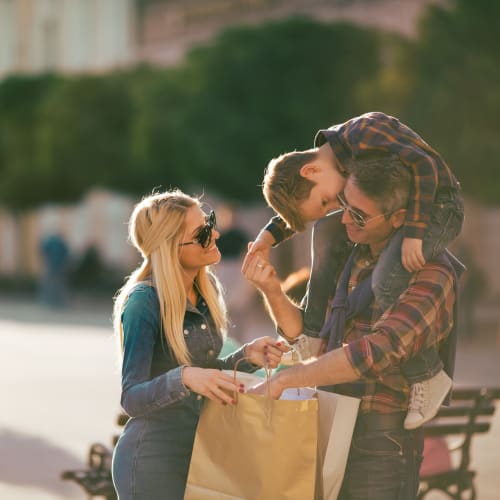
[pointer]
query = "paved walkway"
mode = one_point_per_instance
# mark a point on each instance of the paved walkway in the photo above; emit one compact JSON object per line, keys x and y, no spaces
{"x":61,"y":393}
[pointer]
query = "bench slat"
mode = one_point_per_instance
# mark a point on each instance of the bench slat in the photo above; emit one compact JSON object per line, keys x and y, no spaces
{"x":454,"y":429}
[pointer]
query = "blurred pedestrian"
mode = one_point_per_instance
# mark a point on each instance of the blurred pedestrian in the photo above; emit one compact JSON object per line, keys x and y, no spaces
{"x":170,"y":318}
{"x":53,"y":282}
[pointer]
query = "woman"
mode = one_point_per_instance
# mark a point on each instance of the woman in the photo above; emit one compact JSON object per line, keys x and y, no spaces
{"x":170,"y":317}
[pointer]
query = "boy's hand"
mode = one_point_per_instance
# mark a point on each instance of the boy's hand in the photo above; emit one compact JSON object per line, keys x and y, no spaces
{"x":260,"y":247}
{"x":412,"y":257}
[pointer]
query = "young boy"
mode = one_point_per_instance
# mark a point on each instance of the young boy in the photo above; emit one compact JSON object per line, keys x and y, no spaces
{"x":305,"y":186}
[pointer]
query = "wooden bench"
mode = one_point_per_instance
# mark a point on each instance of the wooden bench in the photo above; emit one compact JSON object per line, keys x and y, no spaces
{"x":470,"y":413}
{"x":96,"y":479}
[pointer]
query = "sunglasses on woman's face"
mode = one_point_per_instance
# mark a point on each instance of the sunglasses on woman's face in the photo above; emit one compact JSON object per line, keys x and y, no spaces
{"x":204,"y":235}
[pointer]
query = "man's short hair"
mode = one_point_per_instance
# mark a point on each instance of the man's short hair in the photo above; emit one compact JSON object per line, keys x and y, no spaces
{"x":382,"y":177}
{"x":284,"y":188}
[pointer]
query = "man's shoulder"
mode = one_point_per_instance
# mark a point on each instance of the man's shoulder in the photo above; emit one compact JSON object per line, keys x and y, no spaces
{"x":437,"y":272}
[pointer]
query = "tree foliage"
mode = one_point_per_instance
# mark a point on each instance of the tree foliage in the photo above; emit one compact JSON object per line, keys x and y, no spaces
{"x":211,"y":123}
{"x":214,"y":121}
{"x":446,"y":85}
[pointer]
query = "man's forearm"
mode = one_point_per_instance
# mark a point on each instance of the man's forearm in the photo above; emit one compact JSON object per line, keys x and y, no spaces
{"x":286,"y":315}
{"x":332,"y":368}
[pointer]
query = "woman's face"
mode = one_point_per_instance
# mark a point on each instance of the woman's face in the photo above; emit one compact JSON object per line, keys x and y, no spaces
{"x":193,"y":256}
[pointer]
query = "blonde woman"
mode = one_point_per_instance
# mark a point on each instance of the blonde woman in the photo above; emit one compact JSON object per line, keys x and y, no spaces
{"x":171,"y":318}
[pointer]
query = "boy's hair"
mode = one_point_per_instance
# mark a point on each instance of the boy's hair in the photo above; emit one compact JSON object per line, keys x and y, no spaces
{"x":382,"y":177}
{"x":284,"y":188}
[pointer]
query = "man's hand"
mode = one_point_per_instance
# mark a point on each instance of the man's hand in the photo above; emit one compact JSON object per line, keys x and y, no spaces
{"x":275,"y":388}
{"x":262,"y":275}
{"x":260,"y":247}
{"x":412,"y":257}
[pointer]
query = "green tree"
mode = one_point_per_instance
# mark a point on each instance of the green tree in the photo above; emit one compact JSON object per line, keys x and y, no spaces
{"x":446,"y":85}
{"x":159,"y":135}
{"x":212,"y":123}
{"x":83,"y":136}
{"x":20,"y":101}
{"x":262,"y":91}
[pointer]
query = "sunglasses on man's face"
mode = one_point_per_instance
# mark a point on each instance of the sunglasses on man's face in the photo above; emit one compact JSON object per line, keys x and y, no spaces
{"x":359,"y":219}
{"x":204,"y":235}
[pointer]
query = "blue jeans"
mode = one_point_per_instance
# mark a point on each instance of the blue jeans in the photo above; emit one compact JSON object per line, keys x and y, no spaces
{"x":383,"y":465}
{"x":330,"y":248}
{"x":152,"y":456}
{"x":390,"y":278}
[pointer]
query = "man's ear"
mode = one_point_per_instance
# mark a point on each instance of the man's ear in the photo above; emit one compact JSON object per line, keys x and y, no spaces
{"x":309,"y":170}
{"x":398,"y":218}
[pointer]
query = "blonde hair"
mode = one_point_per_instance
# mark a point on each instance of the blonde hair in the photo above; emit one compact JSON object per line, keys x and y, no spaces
{"x":156,"y":227}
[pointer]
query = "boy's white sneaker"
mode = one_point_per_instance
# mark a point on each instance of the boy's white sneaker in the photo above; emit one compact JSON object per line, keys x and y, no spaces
{"x":425,"y":399}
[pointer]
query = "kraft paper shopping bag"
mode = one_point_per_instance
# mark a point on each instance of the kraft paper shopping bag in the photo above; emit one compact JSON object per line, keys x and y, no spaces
{"x":337,"y":418}
{"x":259,"y":449}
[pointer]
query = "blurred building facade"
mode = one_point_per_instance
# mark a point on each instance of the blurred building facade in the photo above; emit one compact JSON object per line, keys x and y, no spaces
{"x":167,"y":29}
{"x":74,"y":36}
{"x":67,"y":36}
{"x":99,"y":221}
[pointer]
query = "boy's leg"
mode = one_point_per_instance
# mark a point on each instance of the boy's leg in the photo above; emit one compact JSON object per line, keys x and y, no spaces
{"x":329,"y":250}
{"x":422,"y":367}
{"x":429,"y":386}
{"x":390,"y":278}
{"x":446,"y":222}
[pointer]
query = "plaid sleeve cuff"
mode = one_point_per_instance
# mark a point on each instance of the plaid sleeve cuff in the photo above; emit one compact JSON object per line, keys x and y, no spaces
{"x":417,"y":232}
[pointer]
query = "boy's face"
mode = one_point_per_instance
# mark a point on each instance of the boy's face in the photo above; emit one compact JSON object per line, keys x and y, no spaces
{"x":327,"y":184}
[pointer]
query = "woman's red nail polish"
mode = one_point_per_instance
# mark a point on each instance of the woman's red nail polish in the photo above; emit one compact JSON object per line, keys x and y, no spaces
{"x":241,"y":390}
{"x":278,"y":344}
{"x":233,"y":401}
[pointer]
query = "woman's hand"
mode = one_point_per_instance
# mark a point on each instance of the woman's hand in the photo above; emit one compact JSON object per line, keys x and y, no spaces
{"x":210,"y":383}
{"x":265,"y":351}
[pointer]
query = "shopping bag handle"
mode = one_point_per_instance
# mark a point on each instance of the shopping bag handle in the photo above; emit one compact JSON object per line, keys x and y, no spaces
{"x":266,"y":369}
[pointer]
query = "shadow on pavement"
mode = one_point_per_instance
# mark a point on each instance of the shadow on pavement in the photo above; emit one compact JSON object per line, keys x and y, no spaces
{"x":80,"y":311}
{"x":31,"y":462}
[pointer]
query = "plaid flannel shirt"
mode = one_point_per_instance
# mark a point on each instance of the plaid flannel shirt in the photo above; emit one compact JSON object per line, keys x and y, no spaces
{"x":377,"y":131}
{"x":376,"y":345}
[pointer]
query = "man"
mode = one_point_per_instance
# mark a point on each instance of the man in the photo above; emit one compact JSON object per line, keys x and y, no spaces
{"x":302,"y":186}
{"x":385,"y":457}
